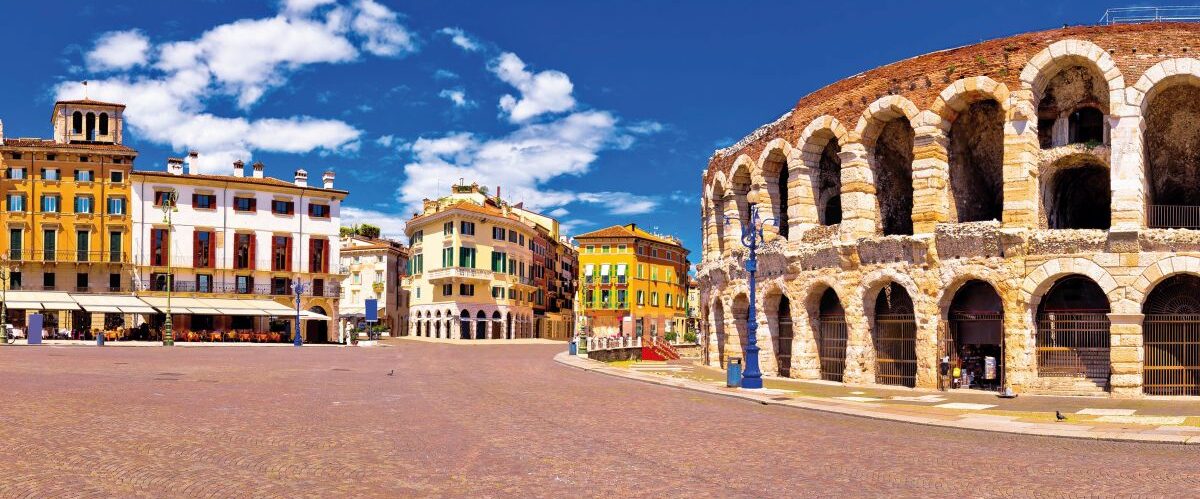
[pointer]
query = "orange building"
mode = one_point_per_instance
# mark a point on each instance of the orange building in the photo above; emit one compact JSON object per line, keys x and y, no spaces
{"x":632,"y":282}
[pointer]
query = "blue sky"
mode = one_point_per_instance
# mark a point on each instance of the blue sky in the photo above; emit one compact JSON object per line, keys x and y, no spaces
{"x":597,"y":112}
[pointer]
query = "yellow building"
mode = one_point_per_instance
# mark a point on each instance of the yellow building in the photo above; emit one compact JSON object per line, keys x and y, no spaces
{"x":479,"y":270}
{"x":66,"y":204}
{"x":632,"y":282}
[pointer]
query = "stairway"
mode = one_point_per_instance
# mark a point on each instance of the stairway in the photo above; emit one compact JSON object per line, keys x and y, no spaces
{"x":658,"y":350}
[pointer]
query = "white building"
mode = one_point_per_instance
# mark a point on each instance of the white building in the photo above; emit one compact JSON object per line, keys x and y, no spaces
{"x":238,"y":237}
{"x":374,"y":269}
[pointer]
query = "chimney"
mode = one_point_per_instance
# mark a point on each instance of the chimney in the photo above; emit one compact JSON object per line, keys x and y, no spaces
{"x":327,"y":179}
{"x":301,"y":178}
{"x":175,"y":166}
{"x":239,"y":168}
{"x":1,"y":131}
{"x":258,"y":169}
{"x":193,"y":156}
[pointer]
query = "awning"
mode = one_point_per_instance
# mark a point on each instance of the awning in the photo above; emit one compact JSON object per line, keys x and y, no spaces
{"x":308,"y":315}
{"x":242,"y":311}
{"x":34,"y":300}
{"x":604,"y":270}
{"x":620,"y":269}
{"x":145,"y":309}
{"x":114,"y":304}
{"x":103,"y":309}
{"x":60,"y":305}
{"x":23,"y":305}
{"x":587,"y":269}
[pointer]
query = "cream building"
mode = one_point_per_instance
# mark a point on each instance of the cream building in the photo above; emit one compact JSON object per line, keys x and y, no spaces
{"x":374,"y":269}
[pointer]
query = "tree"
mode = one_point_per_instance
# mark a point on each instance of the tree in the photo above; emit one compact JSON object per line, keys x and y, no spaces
{"x":368,"y":231}
{"x":347,"y":231}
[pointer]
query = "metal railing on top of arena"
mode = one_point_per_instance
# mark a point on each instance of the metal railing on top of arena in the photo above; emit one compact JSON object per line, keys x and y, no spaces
{"x":1126,"y":15}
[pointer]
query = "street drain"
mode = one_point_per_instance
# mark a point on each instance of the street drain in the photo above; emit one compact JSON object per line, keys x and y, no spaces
{"x":340,"y":369}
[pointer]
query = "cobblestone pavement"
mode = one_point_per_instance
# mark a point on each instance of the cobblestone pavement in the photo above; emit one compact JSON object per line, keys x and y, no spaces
{"x":486,"y":421}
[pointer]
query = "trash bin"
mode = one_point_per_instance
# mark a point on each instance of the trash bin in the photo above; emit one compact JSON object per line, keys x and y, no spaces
{"x":733,"y":370}
{"x":573,"y":348}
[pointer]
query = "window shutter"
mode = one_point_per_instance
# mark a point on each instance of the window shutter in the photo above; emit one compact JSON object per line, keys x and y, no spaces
{"x":253,"y":205}
{"x":196,"y":248}
{"x":195,"y":198}
{"x":212,"y":250}
{"x":325,"y":255}
{"x":252,"y":263}
{"x":289,"y":253}
{"x":312,"y":255}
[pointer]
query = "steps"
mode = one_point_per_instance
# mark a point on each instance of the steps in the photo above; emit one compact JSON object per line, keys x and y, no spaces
{"x":1072,"y":387}
{"x":658,"y":350}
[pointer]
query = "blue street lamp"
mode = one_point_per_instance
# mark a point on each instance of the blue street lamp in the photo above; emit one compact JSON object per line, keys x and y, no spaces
{"x":752,"y":235}
{"x":297,"y":288}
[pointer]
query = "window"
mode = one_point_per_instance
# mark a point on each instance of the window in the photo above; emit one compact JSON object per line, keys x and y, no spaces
{"x":466,"y":289}
{"x":587,"y":272}
{"x":116,"y":177}
{"x":48,"y":279}
{"x":50,"y":203}
{"x":512,"y":236}
{"x":16,"y":202}
{"x":448,"y":228}
{"x":50,"y":174}
{"x":497,"y":292}
{"x":355,"y":278}
{"x":115,"y":252}
{"x":243,"y":251}
{"x":83,"y":204}
{"x":512,"y":294}
{"x":447,"y":257}
{"x":498,"y":233}
{"x":281,"y":286}
{"x":620,"y":248}
{"x":82,"y":240}
{"x":521,"y":239}
{"x":114,"y":282}
{"x":621,"y":273}
{"x":116,"y":206}
{"x":85,"y":176}
{"x":281,"y":253}
{"x":159,"y":243}
{"x":244,"y":204}
{"x":14,"y":280}
{"x":417,"y":237}
{"x":204,"y":283}
{"x":654,"y":298}
{"x":16,"y":173}
{"x":668,"y":298}
{"x":604,"y":249}
{"x":203,"y":249}
{"x":447,"y":290}
{"x":318,"y":255}
{"x":283,"y":207}
{"x":163,"y":198}
{"x":512,"y":266}
{"x":621,"y":298}
{"x":604,"y":270}
{"x":204,"y":201}
{"x":641,"y":298}
{"x":591,"y":249}
{"x":81,"y":281}
{"x":15,"y":244}
{"x":467,"y":228}
{"x":243,"y":284}
{"x":318,"y":287}
{"x":318,"y":210}
{"x":466,"y":258}
{"x":416,"y":264}
{"x":49,"y":244}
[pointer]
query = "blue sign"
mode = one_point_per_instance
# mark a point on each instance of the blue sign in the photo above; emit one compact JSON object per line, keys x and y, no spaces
{"x":33,"y":332}
{"x":372,"y":310}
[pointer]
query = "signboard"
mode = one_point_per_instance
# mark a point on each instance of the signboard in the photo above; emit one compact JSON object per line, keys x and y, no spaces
{"x":33,"y":331}
{"x":372,"y":310}
{"x":989,"y":368}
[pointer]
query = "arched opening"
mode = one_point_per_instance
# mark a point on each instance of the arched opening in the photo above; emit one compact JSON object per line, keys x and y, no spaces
{"x":1072,"y":331}
{"x":895,"y":335}
{"x":90,"y":126}
{"x":497,"y":325}
{"x":437,"y":324}
{"x":892,"y":168}
{"x":77,"y":122}
{"x":827,"y":186}
{"x":718,"y":212}
{"x":781,"y":324}
{"x":1171,"y":337}
{"x":481,"y":326}
{"x":718,"y":322}
{"x":1173,"y":157}
{"x":740,"y":185}
{"x":977,"y":163}
{"x":741,"y":309}
{"x":1086,"y":126}
{"x":831,"y":336}
{"x":1078,"y":194}
{"x":775,"y":171}
{"x":104,"y":124}
{"x":1069,"y":110}
{"x":508,"y":331}
{"x":464,"y":325}
{"x":317,"y":331}
{"x":974,"y":342}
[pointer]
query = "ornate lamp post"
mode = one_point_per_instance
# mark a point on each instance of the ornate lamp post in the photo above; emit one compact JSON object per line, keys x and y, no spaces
{"x":3,"y":298}
{"x":298,"y":289}
{"x":752,"y":236}
{"x":168,"y":208}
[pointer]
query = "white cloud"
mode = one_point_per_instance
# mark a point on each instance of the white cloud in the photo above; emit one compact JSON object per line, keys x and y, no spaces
{"x":646,"y":127}
{"x":544,"y":92}
{"x":458,"y":97}
{"x":558,"y":212}
{"x":119,"y":50}
{"x":444,"y":74}
{"x":461,"y":38}
{"x":386,"y":141}
{"x":168,"y":98}
{"x":390,"y":225}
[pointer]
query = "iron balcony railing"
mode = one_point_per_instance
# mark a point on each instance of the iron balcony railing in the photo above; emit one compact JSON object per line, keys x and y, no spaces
{"x":1163,"y":216}
{"x":328,"y":290}
{"x":77,"y":256}
{"x":1126,"y":15}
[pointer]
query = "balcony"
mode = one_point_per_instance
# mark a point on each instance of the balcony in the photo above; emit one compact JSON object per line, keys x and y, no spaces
{"x":462,"y":273}
{"x":67,"y":256}
{"x":329,"y":290}
{"x":1161,"y":216}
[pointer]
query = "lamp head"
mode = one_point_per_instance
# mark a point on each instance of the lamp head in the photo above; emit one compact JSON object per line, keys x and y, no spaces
{"x":752,"y":197}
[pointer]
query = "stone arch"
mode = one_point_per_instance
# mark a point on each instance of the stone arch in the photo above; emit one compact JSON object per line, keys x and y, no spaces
{"x":719,"y":334}
{"x":719,"y":206}
{"x":1157,"y":272}
{"x":886,"y":131}
{"x":775,"y":175}
{"x":972,"y":111}
{"x":1065,"y":53}
{"x":820,"y":146}
{"x":1168,"y":98}
{"x":1038,"y":282}
{"x":826,"y":332}
{"x":780,"y":325}
{"x":1161,"y":75}
{"x":1076,"y":193}
{"x":741,"y":184}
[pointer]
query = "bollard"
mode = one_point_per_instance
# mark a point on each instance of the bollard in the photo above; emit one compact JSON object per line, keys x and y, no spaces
{"x":733,"y":370}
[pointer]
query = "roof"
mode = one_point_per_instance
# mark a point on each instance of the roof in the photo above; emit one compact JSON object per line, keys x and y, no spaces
{"x":471,"y":207}
{"x":52,"y":144}
{"x":90,"y":102}
{"x":243,"y":180}
{"x":626,"y":231}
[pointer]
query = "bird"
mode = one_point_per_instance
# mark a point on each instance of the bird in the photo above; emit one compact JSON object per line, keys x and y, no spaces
{"x":1058,"y":415}
{"x":392,"y":372}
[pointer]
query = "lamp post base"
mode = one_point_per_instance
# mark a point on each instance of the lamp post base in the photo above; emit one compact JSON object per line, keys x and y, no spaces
{"x":752,"y":383}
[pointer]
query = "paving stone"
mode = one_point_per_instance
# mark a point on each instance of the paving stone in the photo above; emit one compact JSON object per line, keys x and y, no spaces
{"x":965,"y":406}
{"x":1107,"y":412}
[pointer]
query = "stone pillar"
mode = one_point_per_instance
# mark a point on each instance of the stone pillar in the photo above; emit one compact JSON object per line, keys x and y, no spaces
{"x":802,"y":206}
{"x":860,"y":351}
{"x":765,"y":336}
{"x":1128,"y":176}
{"x":1126,"y":354}
{"x":1021,"y":151}
{"x":858,"y":193}
{"x":806,"y":356}
{"x":732,"y":224}
{"x":931,"y":174}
